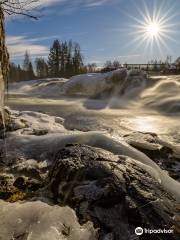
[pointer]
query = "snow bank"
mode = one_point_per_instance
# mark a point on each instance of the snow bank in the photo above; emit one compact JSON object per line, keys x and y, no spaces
{"x":121,"y":81}
{"x":39,"y":221}
{"x":49,"y":87}
{"x":93,"y":83}
{"x":89,"y":84}
{"x":37,"y":121}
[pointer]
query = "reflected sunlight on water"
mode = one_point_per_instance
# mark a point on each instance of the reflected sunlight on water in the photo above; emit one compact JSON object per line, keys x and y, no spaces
{"x":157,"y":124}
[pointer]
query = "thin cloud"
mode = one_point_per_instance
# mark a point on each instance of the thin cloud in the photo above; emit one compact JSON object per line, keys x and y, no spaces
{"x":18,"y":45}
{"x":69,"y":6}
{"x":44,"y":3}
{"x":66,"y":6}
{"x":95,"y":3}
{"x":129,"y":56}
{"x":32,"y":6}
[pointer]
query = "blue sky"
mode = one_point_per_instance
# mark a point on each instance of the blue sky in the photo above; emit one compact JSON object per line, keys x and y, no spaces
{"x":105,"y":29}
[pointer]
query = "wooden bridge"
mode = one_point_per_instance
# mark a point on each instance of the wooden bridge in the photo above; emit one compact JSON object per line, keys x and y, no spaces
{"x":149,"y":67}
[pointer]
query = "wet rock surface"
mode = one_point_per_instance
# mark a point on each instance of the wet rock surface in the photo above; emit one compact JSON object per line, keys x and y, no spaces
{"x":22,"y":180}
{"x":112,"y":192}
{"x":160,"y":153}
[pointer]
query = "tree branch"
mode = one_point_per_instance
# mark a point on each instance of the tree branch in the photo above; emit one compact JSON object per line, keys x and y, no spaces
{"x":19,"y":7}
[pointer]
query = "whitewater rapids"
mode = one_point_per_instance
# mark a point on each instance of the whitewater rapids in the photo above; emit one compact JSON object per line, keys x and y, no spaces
{"x":114,"y":103}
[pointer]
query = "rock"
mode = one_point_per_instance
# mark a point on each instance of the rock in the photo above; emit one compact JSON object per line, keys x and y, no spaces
{"x":112,"y":192}
{"x":16,"y":124}
{"x":20,"y":183}
{"x":29,"y":168}
{"x":14,"y":187}
{"x":6,"y":186}
{"x":28,"y":184}
{"x":11,"y":123}
{"x":5,"y":121}
{"x":148,"y":143}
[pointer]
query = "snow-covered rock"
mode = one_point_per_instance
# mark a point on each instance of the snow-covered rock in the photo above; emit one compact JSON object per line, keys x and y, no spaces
{"x":112,"y":191}
{"x":119,"y":81}
{"x":41,"y":147}
{"x":93,"y":83}
{"x":49,"y":87}
{"x":36,"y":121}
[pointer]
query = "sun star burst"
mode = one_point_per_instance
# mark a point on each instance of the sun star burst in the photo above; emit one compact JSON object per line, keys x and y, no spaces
{"x":153,"y":28}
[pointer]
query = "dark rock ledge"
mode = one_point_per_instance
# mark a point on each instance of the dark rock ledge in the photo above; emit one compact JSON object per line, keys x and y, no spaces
{"x":112,"y":192}
{"x":108,"y":190}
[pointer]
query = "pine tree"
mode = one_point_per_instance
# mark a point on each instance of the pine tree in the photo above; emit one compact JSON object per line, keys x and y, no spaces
{"x":77,"y":59}
{"x":26,"y":61}
{"x":69,"y":64}
{"x":28,"y":68}
{"x":20,"y":73}
{"x":54,"y":59}
{"x":31,"y":74}
{"x":41,"y":68}
{"x":64,"y":59}
{"x":13,"y":72}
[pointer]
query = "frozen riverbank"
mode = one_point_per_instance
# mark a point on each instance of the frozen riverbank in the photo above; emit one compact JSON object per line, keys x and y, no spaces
{"x":131,"y":136}
{"x":45,"y":164}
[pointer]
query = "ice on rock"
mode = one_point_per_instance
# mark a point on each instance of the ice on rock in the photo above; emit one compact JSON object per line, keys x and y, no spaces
{"x":50,"y":87}
{"x":38,"y":121}
{"x":93,"y":83}
{"x":38,"y":220}
{"x":40,"y":146}
{"x":89,"y":84}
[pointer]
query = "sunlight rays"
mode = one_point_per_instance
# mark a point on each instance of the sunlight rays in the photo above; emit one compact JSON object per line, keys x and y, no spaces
{"x":153,"y":28}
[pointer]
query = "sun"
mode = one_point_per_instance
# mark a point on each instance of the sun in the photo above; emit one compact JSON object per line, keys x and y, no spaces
{"x":153,"y":29}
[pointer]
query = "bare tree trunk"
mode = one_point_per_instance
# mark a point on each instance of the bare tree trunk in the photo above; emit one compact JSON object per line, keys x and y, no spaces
{"x":4,"y":64}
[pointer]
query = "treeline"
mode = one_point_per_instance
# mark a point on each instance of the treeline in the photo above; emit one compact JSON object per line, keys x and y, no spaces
{"x":65,"y":59}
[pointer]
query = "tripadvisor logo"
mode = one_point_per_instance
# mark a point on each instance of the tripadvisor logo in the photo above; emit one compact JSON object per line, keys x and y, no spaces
{"x":139,"y":231}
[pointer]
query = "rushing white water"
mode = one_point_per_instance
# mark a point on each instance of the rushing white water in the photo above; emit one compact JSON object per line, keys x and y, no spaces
{"x":115,"y":103}
{"x":164,"y":96}
{"x":120,"y":88}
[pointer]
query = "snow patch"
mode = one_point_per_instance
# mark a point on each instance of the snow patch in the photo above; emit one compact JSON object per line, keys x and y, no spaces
{"x":38,"y":121}
{"x":51,"y":87}
{"x":38,"y":220}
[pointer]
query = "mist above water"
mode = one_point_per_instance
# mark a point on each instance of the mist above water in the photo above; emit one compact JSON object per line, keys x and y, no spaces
{"x":115,"y":102}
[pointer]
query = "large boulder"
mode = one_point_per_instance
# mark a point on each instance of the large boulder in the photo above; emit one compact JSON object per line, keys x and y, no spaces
{"x":112,"y":192}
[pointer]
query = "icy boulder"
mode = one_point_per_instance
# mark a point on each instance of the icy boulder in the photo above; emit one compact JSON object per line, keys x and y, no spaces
{"x":37,"y":220}
{"x":117,"y":82}
{"x":112,"y":191}
{"x":34,"y":122}
{"x":48,"y":87}
{"x":92,"y":84}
